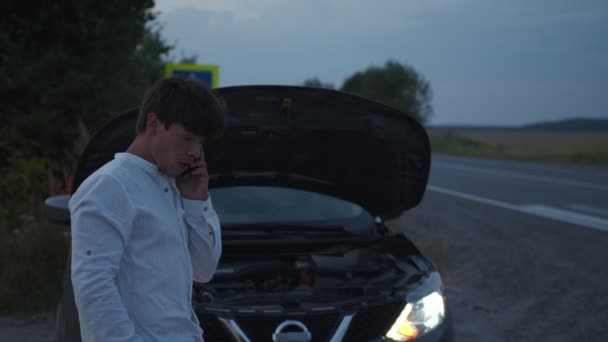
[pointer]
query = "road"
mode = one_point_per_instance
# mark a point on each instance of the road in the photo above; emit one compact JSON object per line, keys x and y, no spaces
{"x":522,"y":248}
{"x":577,"y":195}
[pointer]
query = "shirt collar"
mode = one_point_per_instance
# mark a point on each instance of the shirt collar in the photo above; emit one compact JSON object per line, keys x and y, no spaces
{"x":140,"y":162}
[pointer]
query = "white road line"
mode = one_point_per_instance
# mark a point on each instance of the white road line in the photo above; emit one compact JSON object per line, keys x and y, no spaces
{"x":474,"y":198}
{"x":589,"y":209}
{"x":567,"y":216}
{"x":537,"y":210}
{"x":456,"y":166}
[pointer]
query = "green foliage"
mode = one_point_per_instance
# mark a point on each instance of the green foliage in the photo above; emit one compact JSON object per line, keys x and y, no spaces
{"x":315,"y":82}
{"x":187,"y":59}
{"x":455,"y":144}
{"x":65,"y":68}
{"x":32,"y":260}
{"x":21,"y":188}
{"x":62,"y":59}
{"x":396,"y":85}
{"x":23,"y":180}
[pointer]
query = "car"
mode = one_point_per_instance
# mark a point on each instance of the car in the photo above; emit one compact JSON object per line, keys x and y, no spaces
{"x":303,"y":180}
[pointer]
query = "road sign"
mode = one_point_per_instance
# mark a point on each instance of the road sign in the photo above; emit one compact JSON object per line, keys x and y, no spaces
{"x":209,"y":74}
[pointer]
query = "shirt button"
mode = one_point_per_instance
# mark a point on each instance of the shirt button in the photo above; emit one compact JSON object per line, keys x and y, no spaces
{"x":166,"y":189}
{"x":205,"y":209}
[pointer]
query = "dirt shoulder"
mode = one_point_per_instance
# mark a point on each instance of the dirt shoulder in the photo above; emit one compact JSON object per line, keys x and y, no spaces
{"x":513,"y":277}
{"x":30,"y":328}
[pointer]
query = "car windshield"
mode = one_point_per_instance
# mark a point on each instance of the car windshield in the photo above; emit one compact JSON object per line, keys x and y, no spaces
{"x":251,"y":204}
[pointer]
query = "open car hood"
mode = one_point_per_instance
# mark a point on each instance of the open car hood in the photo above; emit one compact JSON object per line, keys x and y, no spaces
{"x":307,"y":138}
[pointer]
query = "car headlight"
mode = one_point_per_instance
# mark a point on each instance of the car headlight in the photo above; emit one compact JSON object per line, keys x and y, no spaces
{"x":418,"y":318}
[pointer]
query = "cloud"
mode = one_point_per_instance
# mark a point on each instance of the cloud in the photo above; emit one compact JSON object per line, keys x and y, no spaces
{"x":487,"y":60}
{"x":341,"y":14}
{"x":240,"y":9}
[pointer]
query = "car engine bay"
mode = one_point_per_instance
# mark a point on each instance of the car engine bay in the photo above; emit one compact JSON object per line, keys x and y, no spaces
{"x":311,"y":281}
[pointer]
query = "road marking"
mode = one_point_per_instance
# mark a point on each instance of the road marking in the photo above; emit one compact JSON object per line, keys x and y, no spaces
{"x":474,"y":198}
{"x":535,"y":209}
{"x":511,"y":174}
{"x":567,"y":216}
{"x":589,"y":209}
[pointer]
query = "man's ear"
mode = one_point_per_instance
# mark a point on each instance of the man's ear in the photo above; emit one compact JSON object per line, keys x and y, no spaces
{"x":152,"y":123}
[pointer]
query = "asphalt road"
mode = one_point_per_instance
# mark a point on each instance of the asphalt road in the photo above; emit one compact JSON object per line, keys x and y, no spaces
{"x":522,"y":248}
{"x":576,"y":195}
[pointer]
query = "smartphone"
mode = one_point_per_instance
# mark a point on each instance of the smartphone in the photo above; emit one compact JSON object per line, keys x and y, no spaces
{"x":187,"y":172}
{"x":191,"y":168}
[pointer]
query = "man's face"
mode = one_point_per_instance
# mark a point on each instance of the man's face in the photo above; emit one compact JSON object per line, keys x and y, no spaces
{"x":174,"y":149}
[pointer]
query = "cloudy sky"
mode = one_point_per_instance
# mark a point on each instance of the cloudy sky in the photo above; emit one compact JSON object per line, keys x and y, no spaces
{"x":497,"y":62}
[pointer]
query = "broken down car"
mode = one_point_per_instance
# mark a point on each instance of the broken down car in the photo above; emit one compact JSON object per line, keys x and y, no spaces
{"x":303,"y":180}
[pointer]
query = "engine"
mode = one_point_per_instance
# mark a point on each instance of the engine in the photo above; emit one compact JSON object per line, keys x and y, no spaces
{"x":321,"y":276}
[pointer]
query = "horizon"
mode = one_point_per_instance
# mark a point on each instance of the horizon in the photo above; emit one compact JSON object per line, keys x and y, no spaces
{"x":523,"y":125}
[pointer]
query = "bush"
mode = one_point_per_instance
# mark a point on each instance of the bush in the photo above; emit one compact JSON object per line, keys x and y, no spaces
{"x":32,"y":262}
{"x":32,"y":252}
{"x":23,"y":187}
{"x":457,"y":144}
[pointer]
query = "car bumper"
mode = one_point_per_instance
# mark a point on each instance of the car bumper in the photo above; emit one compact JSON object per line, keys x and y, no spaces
{"x":443,"y":333}
{"x":226,"y":330}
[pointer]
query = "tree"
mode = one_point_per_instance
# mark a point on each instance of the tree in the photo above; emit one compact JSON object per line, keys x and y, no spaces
{"x":315,"y":82}
{"x":63,"y":63}
{"x":396,"y":85}
{"x":66,"y":62}
{"x":63,"y":60}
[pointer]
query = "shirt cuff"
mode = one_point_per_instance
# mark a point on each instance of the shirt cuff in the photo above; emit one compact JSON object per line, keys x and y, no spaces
{"x":198,"y":207}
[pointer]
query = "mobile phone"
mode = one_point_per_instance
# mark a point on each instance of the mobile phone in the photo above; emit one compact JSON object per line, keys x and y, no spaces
{"x":190,"y":169}
{"x":187,"y":172}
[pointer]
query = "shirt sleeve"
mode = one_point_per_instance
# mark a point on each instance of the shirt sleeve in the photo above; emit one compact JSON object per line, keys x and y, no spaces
{"x":205,"y":238}
{"x":101,"y":216}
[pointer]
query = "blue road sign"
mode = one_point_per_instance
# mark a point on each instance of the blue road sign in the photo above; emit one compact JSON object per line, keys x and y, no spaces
{"x":209,"y":74}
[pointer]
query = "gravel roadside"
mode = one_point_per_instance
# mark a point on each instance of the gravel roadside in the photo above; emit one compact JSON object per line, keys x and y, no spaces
{"x":19,"y":328}
{"x":511,"y":276}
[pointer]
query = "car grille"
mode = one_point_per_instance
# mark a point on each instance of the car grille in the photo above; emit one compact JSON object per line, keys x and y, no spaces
{"x":372,"y":322}
{"x":261,"y":328}
{"x":368,"y":324}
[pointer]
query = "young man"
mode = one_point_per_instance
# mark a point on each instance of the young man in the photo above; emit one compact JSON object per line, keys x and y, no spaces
{"x":142,"y":231}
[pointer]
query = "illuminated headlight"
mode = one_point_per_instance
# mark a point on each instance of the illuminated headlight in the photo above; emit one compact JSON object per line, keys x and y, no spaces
{"x":418,"y":318}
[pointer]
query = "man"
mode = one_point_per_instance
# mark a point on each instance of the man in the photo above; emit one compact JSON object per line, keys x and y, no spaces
{"x":143,"y":225}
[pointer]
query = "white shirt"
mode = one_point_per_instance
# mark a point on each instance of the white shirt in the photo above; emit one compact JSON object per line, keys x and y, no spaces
{"x":137,"y":245}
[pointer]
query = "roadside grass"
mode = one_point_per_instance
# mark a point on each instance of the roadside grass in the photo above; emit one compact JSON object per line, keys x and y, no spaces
{"x":527,"y":146}
{"x":32,"y":262}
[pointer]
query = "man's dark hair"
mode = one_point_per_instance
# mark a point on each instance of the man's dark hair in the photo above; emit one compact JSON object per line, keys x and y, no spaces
{"x":186,"y":101}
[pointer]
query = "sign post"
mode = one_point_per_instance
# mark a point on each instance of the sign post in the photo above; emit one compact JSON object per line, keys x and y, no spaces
{"x":208,"y":74}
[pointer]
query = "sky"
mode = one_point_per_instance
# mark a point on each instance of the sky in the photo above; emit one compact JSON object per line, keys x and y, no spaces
{"x":489,"y":62}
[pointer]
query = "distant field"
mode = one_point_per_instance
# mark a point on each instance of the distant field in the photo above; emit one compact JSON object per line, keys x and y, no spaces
{"x":576,"y":147}
{"x":535,"y":139}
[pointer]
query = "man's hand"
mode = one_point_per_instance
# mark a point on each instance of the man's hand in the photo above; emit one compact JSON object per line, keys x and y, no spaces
{"x":195,"y":184}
